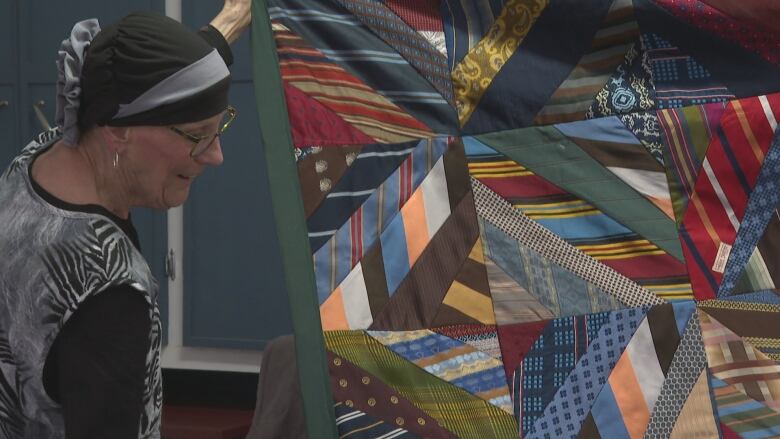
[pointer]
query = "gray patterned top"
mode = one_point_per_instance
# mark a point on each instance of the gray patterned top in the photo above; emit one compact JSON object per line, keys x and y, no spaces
{"x":51,"y":261}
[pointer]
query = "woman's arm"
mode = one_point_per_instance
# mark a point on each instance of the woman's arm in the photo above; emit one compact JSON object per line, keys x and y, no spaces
{"x":233,"y":19}
{"x":96,"y":368}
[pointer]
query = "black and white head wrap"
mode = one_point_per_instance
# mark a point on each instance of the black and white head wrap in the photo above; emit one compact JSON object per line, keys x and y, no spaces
{"x":146,"y":69}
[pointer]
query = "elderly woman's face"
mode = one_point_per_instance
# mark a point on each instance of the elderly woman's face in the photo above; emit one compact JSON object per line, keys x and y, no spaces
{"x":160,"y":164}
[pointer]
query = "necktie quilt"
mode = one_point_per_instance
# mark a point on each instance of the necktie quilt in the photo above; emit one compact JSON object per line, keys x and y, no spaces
{"x":541,"y":218}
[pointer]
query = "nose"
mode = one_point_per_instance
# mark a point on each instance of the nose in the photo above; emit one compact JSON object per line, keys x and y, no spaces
{"x":213,"y":155}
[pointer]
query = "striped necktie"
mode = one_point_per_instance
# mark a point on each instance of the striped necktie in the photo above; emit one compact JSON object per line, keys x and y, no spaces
{"x":726,"y":180}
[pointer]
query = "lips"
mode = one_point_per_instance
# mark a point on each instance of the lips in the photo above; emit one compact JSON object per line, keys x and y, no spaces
{"x":189,"y":176}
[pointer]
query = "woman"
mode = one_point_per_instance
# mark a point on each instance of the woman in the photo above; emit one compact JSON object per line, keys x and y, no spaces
{"x":141,"y":105}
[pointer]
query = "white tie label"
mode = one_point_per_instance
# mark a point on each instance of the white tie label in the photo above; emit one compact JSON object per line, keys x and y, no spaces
{"x":722,"y":257}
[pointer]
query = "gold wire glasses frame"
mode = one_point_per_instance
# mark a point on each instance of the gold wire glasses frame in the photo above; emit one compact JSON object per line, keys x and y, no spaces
{"x":202,"y":143}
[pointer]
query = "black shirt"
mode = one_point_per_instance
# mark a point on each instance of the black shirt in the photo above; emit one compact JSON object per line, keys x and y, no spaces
{"x":96,"y":367}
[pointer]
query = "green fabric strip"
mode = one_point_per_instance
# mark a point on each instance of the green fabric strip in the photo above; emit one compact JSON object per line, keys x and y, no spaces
{"x":694,"y":131}
{"x":287,"y":206}
{"x":697,"y":130}
{"x":455,"y":409}
{"x":676,"y":191}
{"x":756,"y":275}
{"x":548,"y":153}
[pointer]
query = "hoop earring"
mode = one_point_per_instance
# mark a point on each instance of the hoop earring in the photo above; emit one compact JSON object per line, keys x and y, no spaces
{"x":116,"y":159}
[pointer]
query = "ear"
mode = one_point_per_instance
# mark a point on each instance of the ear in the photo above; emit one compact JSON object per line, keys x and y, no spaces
{"x":116,"y":138}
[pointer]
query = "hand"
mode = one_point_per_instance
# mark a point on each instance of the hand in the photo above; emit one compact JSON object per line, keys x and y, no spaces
{"x":233,"y":19}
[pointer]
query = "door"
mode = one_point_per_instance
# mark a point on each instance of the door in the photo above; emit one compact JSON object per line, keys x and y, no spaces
{"x":9,"y":77}
{"x":234,"y":293}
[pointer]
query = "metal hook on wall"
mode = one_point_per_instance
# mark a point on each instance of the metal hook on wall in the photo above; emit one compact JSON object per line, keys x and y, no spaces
{"x":40,"y":116}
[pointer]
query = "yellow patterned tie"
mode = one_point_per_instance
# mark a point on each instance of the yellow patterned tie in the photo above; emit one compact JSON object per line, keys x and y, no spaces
{"x":473,"y":75}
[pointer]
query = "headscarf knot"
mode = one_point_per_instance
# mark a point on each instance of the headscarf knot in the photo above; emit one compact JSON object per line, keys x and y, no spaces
{"x":70,"y":61}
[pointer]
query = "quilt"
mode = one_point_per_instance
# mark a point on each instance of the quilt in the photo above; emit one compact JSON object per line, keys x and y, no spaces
{"x":541,"y":218}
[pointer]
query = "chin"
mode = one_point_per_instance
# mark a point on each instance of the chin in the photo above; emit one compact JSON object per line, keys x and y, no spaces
{"x":171,"y":205}
{"x":176,"y":199}
{"x":176,"y":202}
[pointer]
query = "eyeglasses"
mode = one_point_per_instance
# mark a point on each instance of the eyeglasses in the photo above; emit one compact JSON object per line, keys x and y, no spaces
{"x":202,"y":143}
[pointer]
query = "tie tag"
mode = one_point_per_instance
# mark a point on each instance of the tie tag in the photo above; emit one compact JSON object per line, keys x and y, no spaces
{"x":722,"y":257}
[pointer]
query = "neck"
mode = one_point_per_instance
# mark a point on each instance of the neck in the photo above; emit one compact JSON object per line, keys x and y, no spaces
{"x":83,"y":175}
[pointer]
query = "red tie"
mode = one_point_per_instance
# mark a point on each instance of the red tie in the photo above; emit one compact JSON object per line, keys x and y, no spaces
{"x":723,"y":186}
